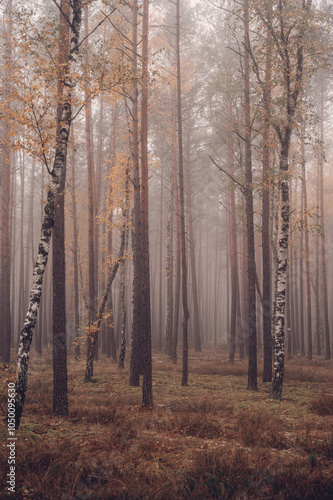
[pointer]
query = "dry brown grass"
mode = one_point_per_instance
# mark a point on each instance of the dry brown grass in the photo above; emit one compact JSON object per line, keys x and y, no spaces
{"x":213,"y":439}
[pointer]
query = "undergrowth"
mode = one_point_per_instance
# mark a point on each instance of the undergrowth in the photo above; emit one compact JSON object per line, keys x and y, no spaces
{"x":211,"y":440}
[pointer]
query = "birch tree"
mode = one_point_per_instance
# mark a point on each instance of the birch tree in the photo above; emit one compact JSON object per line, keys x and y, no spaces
{"x":66,"y":58}
{"x":294,"y":27}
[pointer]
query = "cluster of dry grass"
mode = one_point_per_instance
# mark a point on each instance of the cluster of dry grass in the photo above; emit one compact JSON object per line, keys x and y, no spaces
{"x":212,"y":439}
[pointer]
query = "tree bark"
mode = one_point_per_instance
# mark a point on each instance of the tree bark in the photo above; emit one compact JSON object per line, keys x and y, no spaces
{"x":307,"y":254}
{"x":182,"y":202}
{"x":91,"y":206}
{"x":170,"y":267}
{"x":323,"y":243}
{"x":137,"y":336}
{"x":266,"y":253}
{"x":6,"y":199}
{"x":284,"y":130}
{"x":196,"y":316}
{"x":75,"y":255}
{"x":232,"y":233}
{"x":147,"y":384}
{"x":60,"y":391}
{"x":252,"y":372}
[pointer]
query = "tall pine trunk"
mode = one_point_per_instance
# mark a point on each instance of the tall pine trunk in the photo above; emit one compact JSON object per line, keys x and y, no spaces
{"x":137,"y":337}
{"x":91,"y":209}
{"x":147,"y":395}
{"x":196,"y":316}
{"x":182,"y":203}
{"x":5,"y":305}
{"x":322,"y":239}
{"x":252,"y":322}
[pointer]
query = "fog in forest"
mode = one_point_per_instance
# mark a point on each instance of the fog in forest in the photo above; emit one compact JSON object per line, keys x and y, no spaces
{"x":166,"y":241}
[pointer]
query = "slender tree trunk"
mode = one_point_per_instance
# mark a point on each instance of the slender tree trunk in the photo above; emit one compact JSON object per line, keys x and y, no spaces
{"x":301,"y":279}
{"x":94,"y":327}
{"x":160,"y":294}
{"x":283,"y":238}
{"x":122,"y":351}
{"x":177,"y":277}
{"x":252,"y":372}
{"x":13,"y":251}
{"x":182,"y":203}
{"x":110,"y":333}
{"x":91,"y":209}
{"x":317,"y":290}
{"x":30,"y":231}
{"x":232,"y":238}
{"x":323,"y":244}
{"x":266,"y":253}
{"x":40,"y":333}
{"x":196,"y":317}
{"x":75,"y":255}
{"x":6,"y":201}
{"x":307,"y":254}
{"x":296,"y":283}
{"x":170,"y":303}
{"x":169,"y":275}
{"x":147,"y":385}
{"x":97,"y":199}
{"x":137,"y":336}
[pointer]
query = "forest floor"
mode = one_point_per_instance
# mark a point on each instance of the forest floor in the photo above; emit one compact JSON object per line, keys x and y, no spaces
{"x":212,"y":439}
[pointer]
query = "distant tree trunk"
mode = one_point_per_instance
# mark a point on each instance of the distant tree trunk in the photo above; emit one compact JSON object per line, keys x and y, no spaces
{"x":323,"y":244}
{"x":217,"y":275}
{"x":288,"y":311}
{"x":110,"y":334}
{"x":182,"y":203}
{"x":170,"y":267}
{"x":317,"y":279}
{"x":91,"y":209}
{"x":13,"y":251}
{"x":232,"y":233}
{"x":137,"y":337}
{"x":169,"y":276}
{"x":252,"y":372}
{"x":147,"y":385}
{"x":97,"y":197}
{"x":196,"y":317}
{"x":6,"y":201}
{"x":307,"y":254}
{"x":160,"y":281}
{"x":63,"y":127}
{"x":301,"y":279}
{"x":177,"y":275}
{"x":243,"y":341}
{"x":75,"y":255}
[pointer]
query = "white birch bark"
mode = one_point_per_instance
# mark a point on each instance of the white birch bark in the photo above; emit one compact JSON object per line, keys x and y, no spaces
{"x":48,"y":223}
{"x":282,"y":262}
